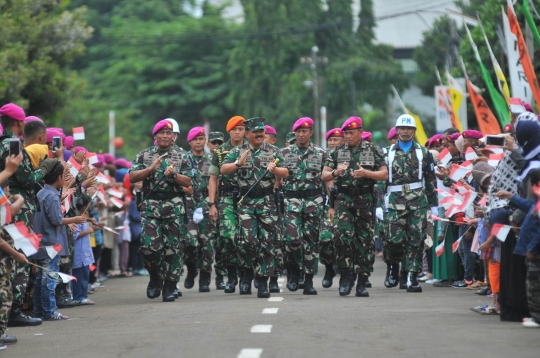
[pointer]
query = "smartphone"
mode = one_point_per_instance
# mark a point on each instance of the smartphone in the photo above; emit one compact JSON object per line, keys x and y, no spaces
{"x":14,"y":146}
{"x":495,"y":140}
{"x":106,"y":172}
{"x":56,"y":143}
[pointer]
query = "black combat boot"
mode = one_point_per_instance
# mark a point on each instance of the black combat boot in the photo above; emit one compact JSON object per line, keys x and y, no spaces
{"x":168,"y":291}
{"x":63,"y":297}
{"x":330,"y":273}
{"x":273,"y":286}
{"x":345,"y":283}
{"x":18,"y":319}
{"x":308,"y":285}
{"x":232,"y":279}
{"x":154,"y":286}
{"x":191,"y":274}
{"x":204,"y":282}
{"x":292,"y":285}
{"x":177,"y":292}
{"x":361,"y":286}
{"x":262,"y":290}
{"x":256,"y":282}
{"x":220,"y":285}
{"x":403,"y":280}
{"x":301,"y":279}
{"x":245,"y":284}
{"x":412,"y":283}
{"x":289,"y":274}
{"x":388,"y":277}
{"x":368,"y":284}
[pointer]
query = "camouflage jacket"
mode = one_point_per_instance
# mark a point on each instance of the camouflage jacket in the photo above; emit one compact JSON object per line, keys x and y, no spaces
{"x":380,"y":187}
{"x":156,"y":208}
{"x":25,"y":178}
{"x":305,"y":167}
{"x":405,"y":171}
{"x":217,"y":161}
{"x":367,"y":154}
{"x":256,"y":164}
{"x":197,"y":168}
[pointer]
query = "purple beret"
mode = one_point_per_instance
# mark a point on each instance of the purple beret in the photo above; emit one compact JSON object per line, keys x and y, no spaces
{"x":1,"y":129}
{"x":67,"y":154}
{"x":509,"y":128}
{"x":52,"y":133}
{"x":58,"y":129}
{"x":270,"y":130}
{"x":108,"y":158}
{"x":13,"y":111}
{"x":392,"y":133}
{"x":304,"y":122}
{"x":32,"y":118}
{"x":471,"y":133}
{"x":336,"y":132}
{"x":122,"y":163}
{"x":69,"y":141}
{"x":436,"y":139}
{"x":163,"y":124}
{"x":528,"y":107}
{"x":79,"y":149}
{"x":352,"y":123}
{"x":100,"y":162}
{"x":195,"y":132}
{"x":453,"y":137}
{"x":367,"y":136}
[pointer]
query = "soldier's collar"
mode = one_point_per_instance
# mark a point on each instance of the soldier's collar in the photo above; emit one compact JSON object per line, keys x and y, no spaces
{"x":8,"y":133}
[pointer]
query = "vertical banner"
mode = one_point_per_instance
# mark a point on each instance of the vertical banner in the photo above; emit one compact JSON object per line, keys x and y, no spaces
{"x":486,"y":119}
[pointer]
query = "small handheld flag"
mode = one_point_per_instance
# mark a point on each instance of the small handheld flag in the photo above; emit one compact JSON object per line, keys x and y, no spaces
{"x":78,"y":133}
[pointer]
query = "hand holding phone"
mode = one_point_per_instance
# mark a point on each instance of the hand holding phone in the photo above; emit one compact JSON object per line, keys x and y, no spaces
{"x":56,"y":143}
{"x":14,"y":146}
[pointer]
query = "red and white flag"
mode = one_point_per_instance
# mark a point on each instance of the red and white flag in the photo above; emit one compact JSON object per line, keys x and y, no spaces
{"x":102,"y":178}
{"x":110,"y":230}
{"x":470,"y":154}
{"x":444,"y":156}
{"x":494,"y":159}
{"x":67,"y":203}
{"x":65,"y":277}
{"x":494,"y":149}
{"x":101,"y":195}
{"x":52,"y":251}
{"x":120,"y":228}
{"x":117,"y":202}
{"x":501,"y":231}
{"x":75,"y":167}
{"x":468,"y":201}
{"x":96,"y":193}
{"x":24,"y":240}
{"x":458,"y":172}
{"x":3,"y":198}
{"x":436,"y":218}
{"x":78,"y":133}
{"x":92,"y":158}
{"x":440,"y":249}
{"x":115,"y":192}
{"x":456,"y":244}
{"x":452,"y":210}
{"x":5,"y":214}
{"x":92,"y":267}
{"x":447,"y":202}
{"x":483,"y":201}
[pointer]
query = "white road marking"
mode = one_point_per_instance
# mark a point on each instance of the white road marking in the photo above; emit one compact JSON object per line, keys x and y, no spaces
{"x":261,"y":328}
{"x":250,"y":353}
{"x":275,"y":299}
{"x":270,"y":310}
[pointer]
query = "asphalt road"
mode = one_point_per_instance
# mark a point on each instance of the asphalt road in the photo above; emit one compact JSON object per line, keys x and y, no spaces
{"x":390,"y":323}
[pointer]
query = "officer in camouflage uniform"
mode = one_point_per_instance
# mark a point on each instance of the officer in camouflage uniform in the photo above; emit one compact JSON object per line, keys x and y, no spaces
{"x":225,"y":213}
{"x":255,"y":162}
{"x":303,"y":189}
{"x":410,"y":192}
{"x":199,"y":246}
{"x":290,"y":139}
{"x":355,"y":167}
{"x":162,"y":211}
{"x":23,"y":183}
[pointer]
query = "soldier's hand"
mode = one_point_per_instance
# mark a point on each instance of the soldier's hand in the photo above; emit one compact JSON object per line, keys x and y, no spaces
{"x":360,"y":173}
{"x":331,"y":213}
{"x":12,"y":163}
{"x":188,"y":190}
{"x":170,"y":170}
{"x":340,"y":169}
{"x":243,"y":158}
{"x":271,"y":167}
{"x":20,"y":258}
{"x":213,"y":213}
{"x":156,"y":163}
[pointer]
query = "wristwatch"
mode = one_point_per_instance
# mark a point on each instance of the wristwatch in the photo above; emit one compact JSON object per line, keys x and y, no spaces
{"x":333,"y":173}
{"x":211,"y":203}
{"x":236,"y":163}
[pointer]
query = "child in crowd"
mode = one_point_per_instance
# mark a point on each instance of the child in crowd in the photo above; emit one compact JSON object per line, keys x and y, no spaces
{"x":528,"y":245}
{"x":49,"y":223}
{"x":83,"y":256}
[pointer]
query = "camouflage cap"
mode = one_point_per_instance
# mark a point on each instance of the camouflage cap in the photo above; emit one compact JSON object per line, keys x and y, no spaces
{"x":216,"y":136}
{"x":291,"y":137}
{"x":255,"y":124}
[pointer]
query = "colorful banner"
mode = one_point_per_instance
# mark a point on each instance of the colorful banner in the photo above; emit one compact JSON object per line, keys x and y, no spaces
{"x":456,"y":96}
{"x":528,"y":17}
{"x":446,"y":103}
{"x":486,"y":120}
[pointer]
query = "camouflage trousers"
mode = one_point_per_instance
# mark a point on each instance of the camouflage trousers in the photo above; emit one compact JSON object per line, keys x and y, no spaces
{"x":302,"y":224}
{"x":7,"y":269}
{"x":279,"y":248}
{"x":327,"y":252}
{"x":355,"y":240}
{"x":255,"y":240}
{"x":161,"y":246}
{"x":22,"y":271}
{"x":199,"y":245}
{"x":533,"y":287}
{"x":406,"y":230}
{"x":219,"y":267}
{"x":228,"y":226}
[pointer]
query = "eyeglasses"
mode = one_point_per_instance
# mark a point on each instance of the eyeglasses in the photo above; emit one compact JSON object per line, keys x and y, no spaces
{"x":216,"y":142}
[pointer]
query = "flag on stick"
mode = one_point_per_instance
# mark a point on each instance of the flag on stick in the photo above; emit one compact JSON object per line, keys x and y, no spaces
{"x":52,"y":251}
{"x":24,"y":240}
{"x":75,"y":167}
{"x":501,"y":231}
{"x":440,"y":249}
{"x":78,"y":133}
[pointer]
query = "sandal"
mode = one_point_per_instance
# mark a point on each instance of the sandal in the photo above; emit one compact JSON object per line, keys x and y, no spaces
{"x":489,"y":311}
{"x":444,"y":283}
{"x":425,"y":278}
{"x":56,"y":316}
{"x":87,"y":302}
{"x":478,"y":309}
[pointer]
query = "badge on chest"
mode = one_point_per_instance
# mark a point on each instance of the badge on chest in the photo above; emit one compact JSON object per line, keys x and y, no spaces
{"x":367,"y":158}
{"x":343,"y":156}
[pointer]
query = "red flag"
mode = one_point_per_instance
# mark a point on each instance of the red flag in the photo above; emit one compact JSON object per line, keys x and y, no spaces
{"x":92,"y":158}
{"x":101,"y":178}
{"x":25,"y":240}
{"x":444,"y":156}
{"x":92,"y":267}
{"x":440,"y":249}
{"x":501,"y":231}
{"x":78,"y":133}
{"x":101,"y":195}
{"x":65,"y":278}
{"x":456,"y":244}
{"x":52,"y":251}
{"x":75,"y":167}
{"x":117,"y":202}
{"x":483,"y":201}
{"x":67,"y":203}
{"x":115,"y":192}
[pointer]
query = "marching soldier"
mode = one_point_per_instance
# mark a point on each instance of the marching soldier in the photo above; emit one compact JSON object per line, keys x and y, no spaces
{"x":162,"y":211}
{"x":410,"y":192}
{"x":199,"y":248}
{"x":354,"y":167}
{"x":327,"y":253}
{"x":215,"y":139}
{"x":257,"y":165}
{"x":227,"y":188}
{"x":303,"y":205}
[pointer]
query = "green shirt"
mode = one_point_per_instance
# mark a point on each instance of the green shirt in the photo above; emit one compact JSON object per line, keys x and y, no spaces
{"x":305,"y":167}
{"x":197,"y":168}
{"x":217,"y":161}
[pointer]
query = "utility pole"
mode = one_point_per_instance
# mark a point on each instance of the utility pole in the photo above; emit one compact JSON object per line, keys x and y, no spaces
{"x":314,"y":83}
{"x":111,"y":132}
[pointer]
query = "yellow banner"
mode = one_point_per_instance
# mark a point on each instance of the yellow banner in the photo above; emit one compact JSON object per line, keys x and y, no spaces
{"x":421,"y":136}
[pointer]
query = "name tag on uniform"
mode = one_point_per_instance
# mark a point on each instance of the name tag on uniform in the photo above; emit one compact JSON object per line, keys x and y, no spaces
{"x":343,"y":156}
{"x":291,"y":160}
{"x":367,"y":158}
{"x":314,"y":162}
{"x":205,"y":168}
{"x":265,"y":159}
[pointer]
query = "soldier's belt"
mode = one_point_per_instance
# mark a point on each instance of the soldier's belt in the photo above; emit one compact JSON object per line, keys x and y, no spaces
{"x":349,"y":191}
{"x":164,"y":196}
{"x":303,"y":194}
{"x":228,"y":190}
{"x":404,"y":187}
{"x":257,"y":194}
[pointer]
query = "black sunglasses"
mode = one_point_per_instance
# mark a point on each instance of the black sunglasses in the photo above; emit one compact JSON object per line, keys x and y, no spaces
{"x":215,"y":142}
